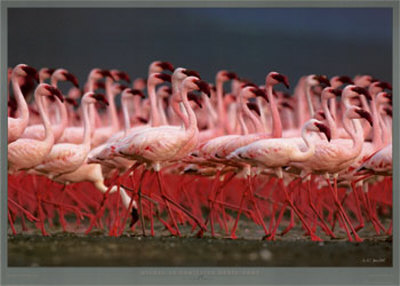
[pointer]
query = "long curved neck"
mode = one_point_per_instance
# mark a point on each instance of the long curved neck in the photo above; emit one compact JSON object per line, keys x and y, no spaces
{"x":22,"y":108}
{"x":355,"y":133}
{"x":262,"y":113}
{"x":256,"y":122}
{"x":86,"y":125}
{"x":192,"y":120}
{"x":329,"y":118}
{"x":155,"y":116}
{"x":309,"y":100}
{"x":377,"y":132}
{"x":276,"y":119}
{"x":177,"y":109}
{"x":304,"y":155}
{"x":61,"y":110}
{"x":127,"y":122}
{"x":111,"y":109}
{"x":161,"y":111}
{"x":48,"y":135}
{"x":212,"y":116}
{"x":220,"y":104}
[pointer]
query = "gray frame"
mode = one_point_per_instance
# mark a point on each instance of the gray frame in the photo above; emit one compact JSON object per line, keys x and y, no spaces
{"x":206,"y":275}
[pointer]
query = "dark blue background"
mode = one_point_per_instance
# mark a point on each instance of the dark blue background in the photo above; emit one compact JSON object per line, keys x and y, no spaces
{"x":252,"y":42}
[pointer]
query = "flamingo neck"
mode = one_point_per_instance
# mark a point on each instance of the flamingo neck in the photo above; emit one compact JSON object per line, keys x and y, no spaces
{"x":177,"y":109}
{"x":192,"y":120}
{"x":111,"y":109}
{"x":212,"y":115}
{"x":127,"y":122}
{"x":61,"y":111}
{"x":48,"y":135}
{"x":86,"y":124}
{"x":309,"y":101}
{"x":276,"y":119}
{"x":220,"y":104}
{"x":22,"y":109}
{"x":161,"y":111}
{"x":355,"y":133}
{"x":305,"y":155}
{"x":256,"y":122}
{"x":377,"y":132}
{"x":262,"y":114}
{"x":329,"y":117}
{"x":155,"y":116}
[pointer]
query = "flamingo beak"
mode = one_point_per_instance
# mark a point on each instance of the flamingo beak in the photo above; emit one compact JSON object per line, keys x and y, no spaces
{"x":323,"y":80}
{"x":166,"y":66}
{"x":106,"y":73}
{"x":345,"y":79}
{"x":324,"y":129}
{"x":384,"y":85}
{"x":366,"y":115}
{"x":191,"y":73}
{"x":71,"y":101}
{"x":193,"y":97}
{"x":283,"y":79}
{"x":124,"y":76}
{"x":100,"y":98}
{"x":55,"y":92}
{"x":136,"y":92}
{"x":337,"y":91}
{"x":253,"y":106}
{"x":70,"y":77}
{"x":287,"y":105}
{"x":388,"y":111}
{"x":361,"y":90}
{"x":204,"y":87}
{"x":231,"y":75}
{"x":163,"y":76}
{"x":258,"y":92}
{"x":31,"y":72}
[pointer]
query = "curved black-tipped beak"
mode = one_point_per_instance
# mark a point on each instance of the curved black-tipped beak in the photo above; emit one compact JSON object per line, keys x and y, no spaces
{"x":136,"y":92}
{"x":30,"y":71}
{"x":283,"y":79}
{"x":142,"y":119}
{"x":71,"y":101}
{"x":163,"y":76}
{"x":50,"y":71}
{"x":345,"y":79}
{"x":323,"y":80}
{"x":287,"y":105}
{"x":388,"y":111}
{"x":124,"y":76}
{"x":70,"y":77}
{"x":337,"y":91}
{"x":361,"y":90}
{"x":366,"y":115}
{"x":253,"y":106}
{"x":166,"y":66}
{"x":258,"y":92}
{"x":384,"y":85}
{"x":55,"y":91}
{"x":100,"y":98}
{"x":191,"y":73}
{"x":203,"y":86}
{"x":192,"y":96}
{"x":106,"y":73}
{"x":324,"y":129}
{"x":231,"y":75}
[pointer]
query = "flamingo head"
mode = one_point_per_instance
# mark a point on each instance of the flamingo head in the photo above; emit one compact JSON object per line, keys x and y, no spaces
{"x":45,"y":73}
{"x":321,"y":80}
{"x":287,"y":105}
{"x":379,"y":86}
{"x":330,"y":92}
{"x":388,"y":111}
{"x":164,"y":91}
{"x":254,"y":107}
{"x":355,"y":112}
{"x":132,"y":92}
{"x":25,"y":70}
{"x":193,"y":97}
{"x":337,"y":81}
{"x":224,"y":75}
{"x":100,"y":98}
{"x":274,"y":78}
{"x":384,"y":97}
{"x":159,"y":78}
{"x":64,"y":75}
{"x":120,"y":75}
{"x":320,"y":115}
{"x":159,"y":66}
{"x":258,"y":92}
{"x":363,"y":80}
{"x":49,"y":90}
{"x":361,"y":91}
{"x":318,"y":126}
{"x":97,"y":74}
{"x":71,"y":101}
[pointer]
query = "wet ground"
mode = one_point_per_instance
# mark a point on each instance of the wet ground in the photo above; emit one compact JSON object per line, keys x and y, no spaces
{"x":133,"y":249}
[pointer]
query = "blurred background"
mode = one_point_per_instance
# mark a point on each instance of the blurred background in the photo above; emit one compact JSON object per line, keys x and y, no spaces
{"x":251,"y":42}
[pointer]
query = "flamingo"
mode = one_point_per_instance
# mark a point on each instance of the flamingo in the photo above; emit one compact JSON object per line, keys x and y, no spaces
{"x":275,"y":153}
{"x":26,"y":153}
{"x":37,"y":131}
{"x":158,"y":145}
{"x":16,"y":126}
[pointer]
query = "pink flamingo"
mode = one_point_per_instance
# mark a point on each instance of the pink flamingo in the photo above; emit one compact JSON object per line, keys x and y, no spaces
{"x":26,"y":153}
{"x":37,"y":131}
{"x":159,"y":145}
{"x":16,"y":126}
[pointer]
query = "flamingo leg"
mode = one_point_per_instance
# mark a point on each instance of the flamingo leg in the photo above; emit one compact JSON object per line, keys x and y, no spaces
{"x":253,"y":201}
{"x":10,"y":220}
